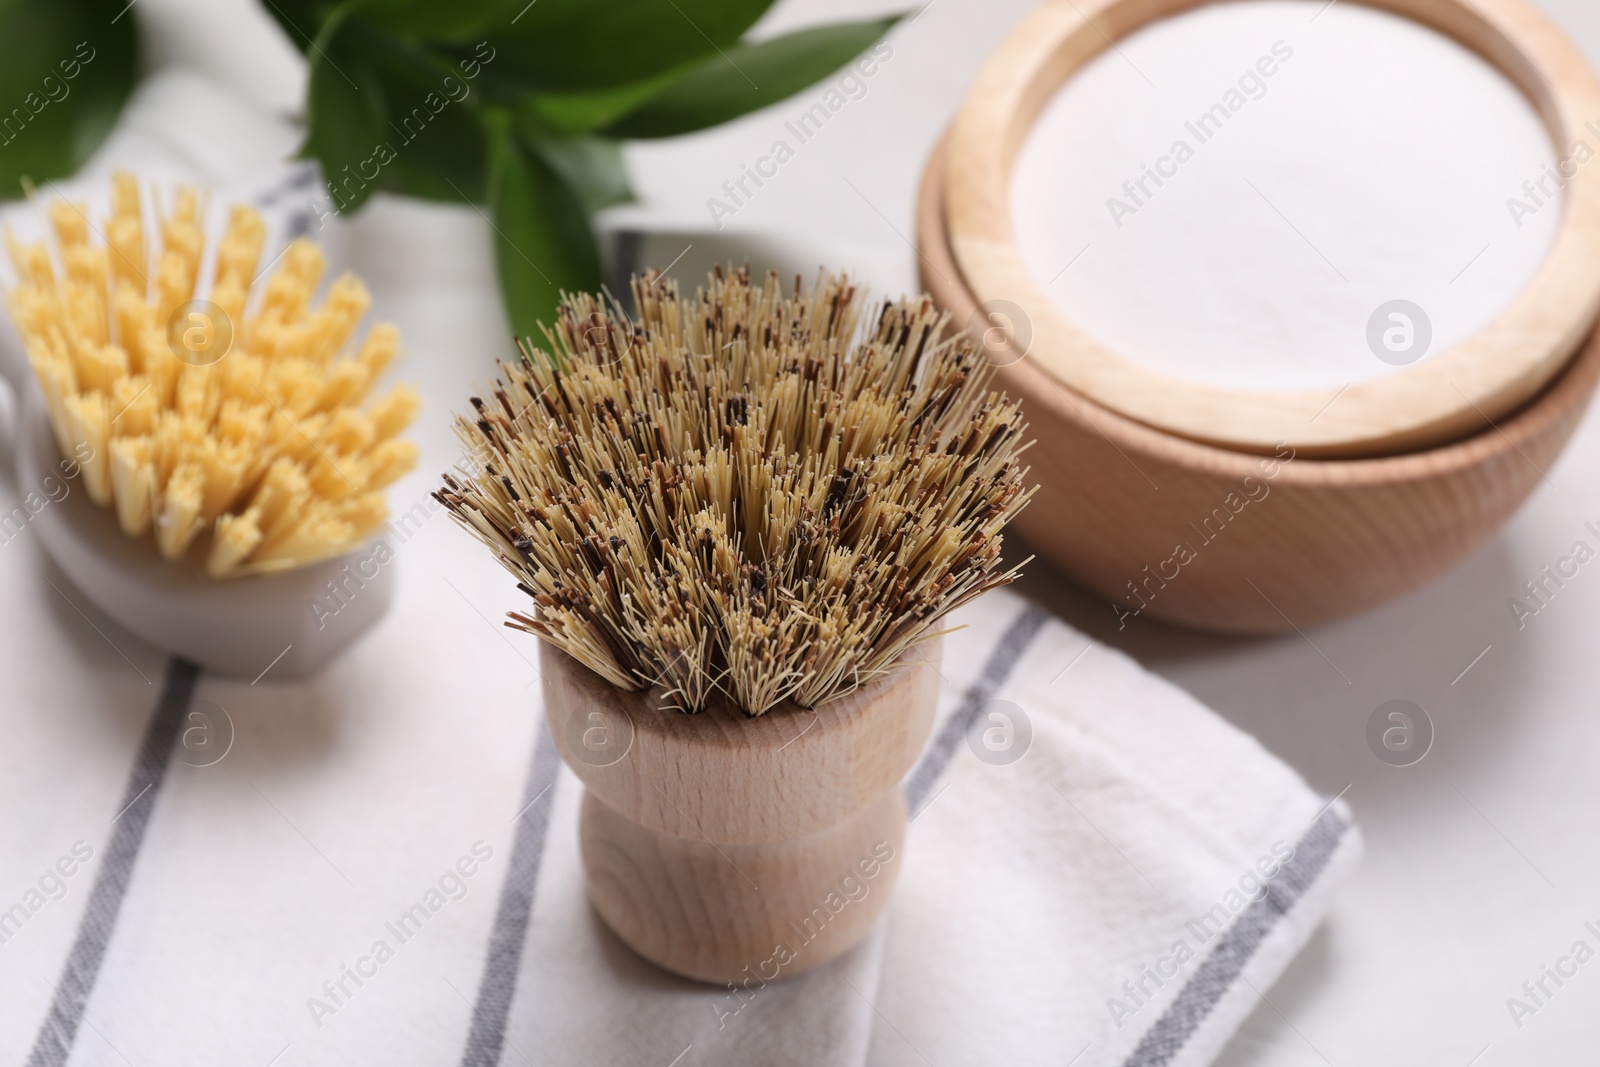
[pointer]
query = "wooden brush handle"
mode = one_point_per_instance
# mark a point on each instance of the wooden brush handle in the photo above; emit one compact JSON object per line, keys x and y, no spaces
{"x":732,"y":849}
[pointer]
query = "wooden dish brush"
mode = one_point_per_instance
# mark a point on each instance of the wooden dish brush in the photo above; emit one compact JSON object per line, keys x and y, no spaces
{"x":739,"y":519}
{"x":226,"y":435}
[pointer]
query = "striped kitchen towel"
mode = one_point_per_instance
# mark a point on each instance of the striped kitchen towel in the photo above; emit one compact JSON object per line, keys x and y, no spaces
{"x":1100,"y":871}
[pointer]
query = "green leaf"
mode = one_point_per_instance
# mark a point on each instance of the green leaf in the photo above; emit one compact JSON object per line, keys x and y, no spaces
{"x":437,"y":147}
{"x":543,"y":243}
{"x":578,"y":45}
{"x":66,"y":69}
{"x":346,"y":120}
{"x":588,"y":111}
{"x":432,"y":20}
{"x":748,"y":77}
{"x":590,"y":166}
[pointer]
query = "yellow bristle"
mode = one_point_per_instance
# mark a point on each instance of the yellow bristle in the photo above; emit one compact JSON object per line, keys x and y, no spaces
{"x":334,"y":477}
{"x":71,"y":224}
{"x":394,"y":411}
{"x":179,"y":520}
{"x":135,"y":321}
{"x":181,"y":231}
{"x":134,"y":407}
{"x":88,"y":417}
{"x":133,"y":481}
{"x":241,"y":421}
{"x":283,"y":491}
{"x":240,"y":249}
{"x":364,"y":513}
{"x":288,"y":292}
{"x":125,"y":234}
{"x":33,"y":263}
{"x":162,"y":368}
{"x":230,"y":295}
{"x":101,"y":366}
{"x":262,"y":448}
{"x":391,"y":461}
{"x":292,"y":534}
{"x":296,"y":438}
{"x":349,"y":432}
{"x":174,"y":282}
{"x":316,"y":536}
{"x":379,"y":349}
{"x":344,"y":383}
{"x":229,"y":467}
{"x":125,"y":196}
{"x":197,"y":397}
{"x":86,"y":266}
{"x":55,"y":382}
{"x":333,"y":323}
{"x":235,"y":538}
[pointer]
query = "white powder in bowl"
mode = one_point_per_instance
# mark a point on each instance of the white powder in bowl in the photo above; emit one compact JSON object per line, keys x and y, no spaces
{"x":1216,"y":222}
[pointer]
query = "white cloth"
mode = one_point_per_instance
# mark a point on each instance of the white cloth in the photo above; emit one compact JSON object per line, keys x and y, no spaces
{"x":1030,"y":891}
{"x":222,"y":908}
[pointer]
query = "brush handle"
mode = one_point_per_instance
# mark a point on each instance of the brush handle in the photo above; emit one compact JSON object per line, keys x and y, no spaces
{"x":732,"y":849}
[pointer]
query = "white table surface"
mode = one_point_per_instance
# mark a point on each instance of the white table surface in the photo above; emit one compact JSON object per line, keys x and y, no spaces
{"x":1481,"y":860}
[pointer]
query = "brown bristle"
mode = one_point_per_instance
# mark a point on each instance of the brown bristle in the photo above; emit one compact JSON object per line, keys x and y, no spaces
{"x":744,"y":491}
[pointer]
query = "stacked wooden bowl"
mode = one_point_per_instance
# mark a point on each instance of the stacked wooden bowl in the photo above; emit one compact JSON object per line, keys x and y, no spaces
{"x":1257,"y":512}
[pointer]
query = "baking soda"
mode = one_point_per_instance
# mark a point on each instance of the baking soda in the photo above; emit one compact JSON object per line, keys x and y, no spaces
{"x":1242,"y":195}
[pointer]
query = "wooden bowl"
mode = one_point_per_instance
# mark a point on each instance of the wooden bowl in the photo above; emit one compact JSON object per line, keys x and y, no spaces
{"x":734,"y":849}
{"x":1461,"y":391}
{"x":1271,"y":543}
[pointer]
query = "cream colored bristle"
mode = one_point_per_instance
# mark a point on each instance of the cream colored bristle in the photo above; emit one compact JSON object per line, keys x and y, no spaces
{"x":747,"y":491}
{"x":265,"y":450}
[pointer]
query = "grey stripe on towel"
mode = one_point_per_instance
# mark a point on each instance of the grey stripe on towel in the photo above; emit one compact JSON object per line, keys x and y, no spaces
{"x":486,"y":1039}
{"x":116,"y":868}
{"x":1225,"y":963}
{"x":1002,"y":661}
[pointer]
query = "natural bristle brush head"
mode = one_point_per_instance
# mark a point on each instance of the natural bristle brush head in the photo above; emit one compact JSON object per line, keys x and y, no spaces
{"x":238,"y":422}
{"x":752,"y":491}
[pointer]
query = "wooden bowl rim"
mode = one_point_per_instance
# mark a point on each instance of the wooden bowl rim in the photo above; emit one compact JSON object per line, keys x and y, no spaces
{"x":1026,"y":376}
{"x":1456,"y":393}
